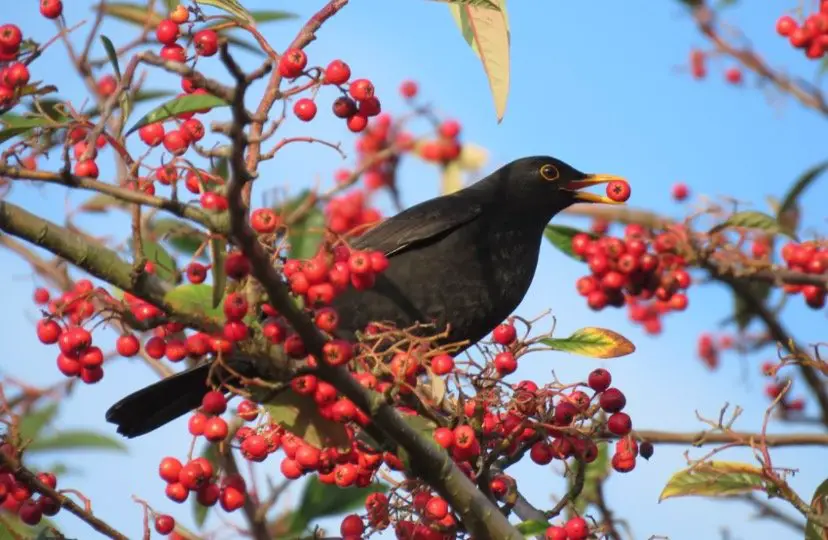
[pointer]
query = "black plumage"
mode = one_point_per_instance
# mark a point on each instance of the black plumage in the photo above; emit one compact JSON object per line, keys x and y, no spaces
{"x":463,"y":261}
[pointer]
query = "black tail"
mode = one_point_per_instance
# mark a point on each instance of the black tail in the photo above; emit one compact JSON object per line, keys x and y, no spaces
{"x":157,"y":404}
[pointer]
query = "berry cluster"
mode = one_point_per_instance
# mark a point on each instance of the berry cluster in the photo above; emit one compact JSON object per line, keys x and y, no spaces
{"x":808,"y":258}
{"x":774,"y":388}
{"x":78,"y":357}
{"x":17,"y":498}
{"x":811,"y":36}
{"x":626,"y":272}
{"x":14,"y":75}
{"x":198,"y":476}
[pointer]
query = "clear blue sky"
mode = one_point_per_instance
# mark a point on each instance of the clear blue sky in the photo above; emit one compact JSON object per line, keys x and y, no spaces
{"x":598,"y":88}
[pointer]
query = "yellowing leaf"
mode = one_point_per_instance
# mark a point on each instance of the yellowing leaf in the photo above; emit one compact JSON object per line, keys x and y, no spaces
{"x":300,"y":415}
{"x":593,"y":342}
{"x":472,"y":157}
{"x":484,"y":4}
{"x":487,"y":31}
{"x":714,"y":479}
{"x":452,"y":178}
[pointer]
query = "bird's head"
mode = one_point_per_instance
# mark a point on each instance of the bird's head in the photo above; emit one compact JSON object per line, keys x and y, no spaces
{"x":549,"y":183}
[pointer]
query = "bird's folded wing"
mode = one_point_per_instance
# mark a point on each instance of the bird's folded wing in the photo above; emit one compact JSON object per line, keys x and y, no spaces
{"x":420,"y":224}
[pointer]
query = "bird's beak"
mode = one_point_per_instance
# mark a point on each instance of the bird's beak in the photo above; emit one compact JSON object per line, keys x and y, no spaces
{"x":592,"y":180}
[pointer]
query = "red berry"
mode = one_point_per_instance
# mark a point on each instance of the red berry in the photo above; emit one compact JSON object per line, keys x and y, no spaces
{"x":612,"y":400}
{"x":176,"y":142}
{"x":169,"y":469}
{"x":206,"y":42}
{"x":505,"y":334}
{"x":292,"y":63}
{"x":599,"y":380}
{"x":361,"y":89}
{"x":87,"y":168}
{"x":51,"y":9}
{"x":164,"y":524}
{"x":337,"y":72}
{"x":10,"y":38}
{"x":556,"y":533}
{"x":215,"y":429}
{"x":214,"y":402}
{"x":785,"y":25}
{"x":449,"y":129}
{"x":352,"y":527}
{"x":505,"y":363}
{"x":444,"y":437}
{"x":733,"y":75}
{"x":618,"y":190}
{"x":305,"y":109}
{"x":357,"y":123}
{"x":174,"y":53}
{"x":408,"y":89}
{"x":680,"y":192}
{"x":167,"y":32}
{"x":193,"y":130}
{"x":436,"y":508}
{"x":442,"y":364}
{"x":152,"y":134}
{"x":48,"y":331}
{"x":577,"y":528}
{"x":620,"y":424}
{"x":344,"y":107}
{"x":264,"y":221}
{"x":30,"y":512}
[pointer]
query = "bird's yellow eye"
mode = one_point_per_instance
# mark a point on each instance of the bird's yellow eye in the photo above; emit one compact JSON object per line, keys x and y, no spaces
{"x":549,"y":172}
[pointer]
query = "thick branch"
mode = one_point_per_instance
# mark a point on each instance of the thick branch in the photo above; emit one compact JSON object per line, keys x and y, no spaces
{"x":24,"y":475}
{"x":123,"y":194}
{"x":732,"y":438}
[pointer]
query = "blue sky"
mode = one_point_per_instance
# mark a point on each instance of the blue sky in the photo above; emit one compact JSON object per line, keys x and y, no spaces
{"x":601,"y":89}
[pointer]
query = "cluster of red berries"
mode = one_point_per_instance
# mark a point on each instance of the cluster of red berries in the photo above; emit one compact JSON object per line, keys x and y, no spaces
{"x":17,"y":498}
{"x":626,"y":272}
{"x":78,"y":357}
{"x":358,"y":102}
{"x":320,"y":279}
{"x":709,"y":348}
{"x":199,"y":476}
{"x":575,"y":528}
{"x":350,"y":213}
{"x":14,"y":75}
{"x":811,"y":36}
{"x":698,"y":68}
{"x":809,"y":258}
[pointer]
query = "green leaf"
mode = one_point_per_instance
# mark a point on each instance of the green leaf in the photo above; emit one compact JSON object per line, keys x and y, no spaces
{"x":33,"y":423}
{"x":532,"y":528}
{"x":452,"y":178}
{"x":76,"y":440}
{"x":561,"y":237}
{"x":300,"y":415}
{"x":165,"y":267}
{"x":112,"y":54}
{"x":171,"y":4}
{"x":180,"y":105}
{"x":18,"y":125}
{"x":131,"y":13}
{"x":180,"y":235}
{"x":221,"y":168}
{"x":36,"y":89}
{"x":233,"y":7}
{"x":483,"y":4}
{"x":751,"y":219}
{"x":715,"y":479}
{"x":266,"y":16}
{"x":196,"y":299}
{"x":593,"y":342}
{"x":218,"y":247}
{"x":801,"y":184}
{"x":307,"y":233}
{"x":15,"y":529}
{"x":200,"y":511}
{"x":819,"y":506}
{"x":487,"y":31}
{"x":323,"y":500}
{"x":741,"y":314}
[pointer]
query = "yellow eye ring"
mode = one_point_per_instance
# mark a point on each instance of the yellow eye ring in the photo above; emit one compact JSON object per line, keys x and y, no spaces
{"x":549,"y":172}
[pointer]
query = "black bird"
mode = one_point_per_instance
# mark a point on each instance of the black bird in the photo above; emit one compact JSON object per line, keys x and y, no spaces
{"x":463,"y":260}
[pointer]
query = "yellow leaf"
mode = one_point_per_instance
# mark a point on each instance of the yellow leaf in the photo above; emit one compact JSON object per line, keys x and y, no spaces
{"x":452,"y":179}
{"x":300,"y":415}
{"x":715,"y":479}
{"x":593,"y":342}
{"x":472,"y":157}
{"x":487,"y":31}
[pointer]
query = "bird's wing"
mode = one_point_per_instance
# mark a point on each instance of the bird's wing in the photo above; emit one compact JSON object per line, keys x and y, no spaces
{"x":419,"y":224}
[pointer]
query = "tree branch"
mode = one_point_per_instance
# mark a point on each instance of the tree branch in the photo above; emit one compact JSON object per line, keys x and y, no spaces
{"x":25,"y":476}
{"x":732,"y":438}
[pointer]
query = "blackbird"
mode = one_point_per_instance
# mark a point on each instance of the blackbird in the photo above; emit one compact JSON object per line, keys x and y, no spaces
{"x":461,"y":262}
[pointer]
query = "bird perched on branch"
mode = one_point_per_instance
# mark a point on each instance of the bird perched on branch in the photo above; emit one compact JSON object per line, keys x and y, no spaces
{"x":462,"y":261}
